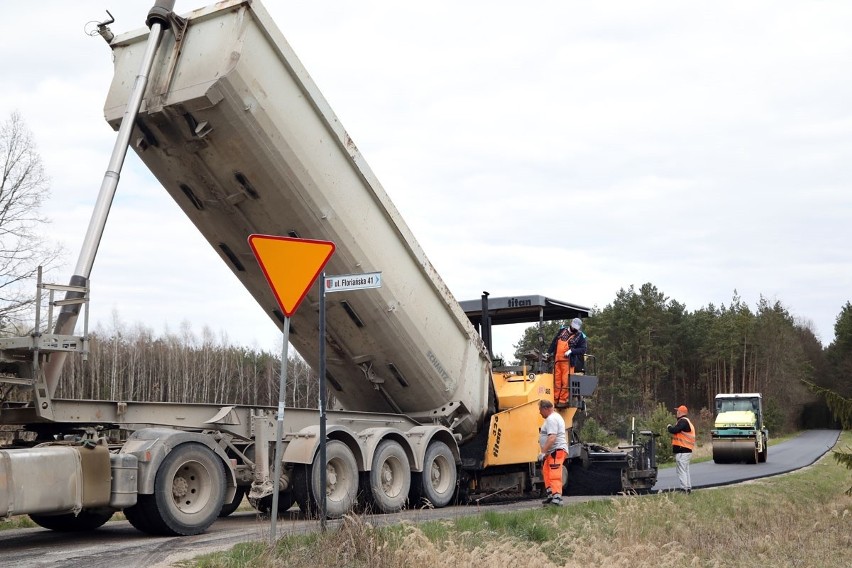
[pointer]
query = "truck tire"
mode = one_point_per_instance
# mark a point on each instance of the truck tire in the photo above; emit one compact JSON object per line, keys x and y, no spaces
{"x":228,"y":508}
{"x":437,"y":484}
{"x":341,"y":482}
{"x":761,"y":457}
{"x":189,"y":491}
{"x":82,"y":522}
{"x":390,"y":477}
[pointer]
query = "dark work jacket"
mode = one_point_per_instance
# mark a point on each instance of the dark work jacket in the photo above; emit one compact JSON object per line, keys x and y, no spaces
{"x":577,"y":341}
{"x":681,"y":426}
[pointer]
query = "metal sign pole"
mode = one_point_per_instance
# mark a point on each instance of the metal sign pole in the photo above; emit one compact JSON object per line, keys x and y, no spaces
{"x":322,"y":402}
{"x":279,"y":431}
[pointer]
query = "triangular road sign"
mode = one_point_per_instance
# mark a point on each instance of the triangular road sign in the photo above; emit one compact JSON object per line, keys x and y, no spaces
{"x":290,"y":265}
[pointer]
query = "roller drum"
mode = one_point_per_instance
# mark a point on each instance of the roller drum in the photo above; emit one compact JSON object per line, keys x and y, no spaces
{"x":733,"y":451}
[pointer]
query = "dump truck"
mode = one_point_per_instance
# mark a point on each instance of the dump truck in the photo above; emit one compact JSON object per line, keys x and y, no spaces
{"x":739,"y":433}
{"x":217,"y":105}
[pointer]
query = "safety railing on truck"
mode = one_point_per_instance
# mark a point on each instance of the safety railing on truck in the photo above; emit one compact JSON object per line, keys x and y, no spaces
{"x":32,"y":349}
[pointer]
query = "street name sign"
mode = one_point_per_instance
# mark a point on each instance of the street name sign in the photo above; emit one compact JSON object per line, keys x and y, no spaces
{"x":345,"y":282}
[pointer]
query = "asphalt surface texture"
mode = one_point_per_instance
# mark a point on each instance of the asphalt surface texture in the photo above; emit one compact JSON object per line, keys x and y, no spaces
{"x":790,"y":455}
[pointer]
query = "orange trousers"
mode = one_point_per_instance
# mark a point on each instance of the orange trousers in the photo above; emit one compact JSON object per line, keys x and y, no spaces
{"x":561,"y":372}
{"x":551,"y":471}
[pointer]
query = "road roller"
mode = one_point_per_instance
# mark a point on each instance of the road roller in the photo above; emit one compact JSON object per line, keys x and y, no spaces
{"x":739,"y":434}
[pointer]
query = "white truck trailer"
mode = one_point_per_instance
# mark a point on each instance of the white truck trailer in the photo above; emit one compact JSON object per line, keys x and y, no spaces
{"x":233,"y":127}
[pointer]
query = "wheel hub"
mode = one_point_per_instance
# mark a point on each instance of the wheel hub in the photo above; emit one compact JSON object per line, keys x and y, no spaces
{"x":180,"y":488}
{"x":436,"y":474}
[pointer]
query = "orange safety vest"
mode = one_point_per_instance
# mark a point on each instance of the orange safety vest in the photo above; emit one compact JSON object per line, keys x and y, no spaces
{"x":685,"y":439}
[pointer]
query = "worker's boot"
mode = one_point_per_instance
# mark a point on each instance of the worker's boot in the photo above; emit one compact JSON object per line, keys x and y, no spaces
{"x":556,"y":501}
{"x":549,"y":498}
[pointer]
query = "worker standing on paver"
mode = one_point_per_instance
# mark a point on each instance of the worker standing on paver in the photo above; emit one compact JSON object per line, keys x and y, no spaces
{"x":561,"y":352}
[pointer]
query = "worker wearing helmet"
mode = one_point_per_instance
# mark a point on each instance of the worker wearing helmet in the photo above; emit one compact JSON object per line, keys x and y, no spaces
{"x":577,"y":343}
{"x":568,"y":348}
{"x":553,"y":445}
{"x":683,"y":442}
{"x":561,"y":352}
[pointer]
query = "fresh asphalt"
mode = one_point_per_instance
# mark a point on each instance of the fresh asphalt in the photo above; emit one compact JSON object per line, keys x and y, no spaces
{"x":790,"y":455}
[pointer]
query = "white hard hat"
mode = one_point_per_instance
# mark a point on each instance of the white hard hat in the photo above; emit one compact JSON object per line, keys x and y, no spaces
{"x":577,"y":324}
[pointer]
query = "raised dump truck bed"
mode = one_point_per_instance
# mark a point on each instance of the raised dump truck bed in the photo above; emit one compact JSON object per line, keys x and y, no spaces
{"x":236,"y":131}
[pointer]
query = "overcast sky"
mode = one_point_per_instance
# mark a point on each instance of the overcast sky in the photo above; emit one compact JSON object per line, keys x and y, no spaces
{"x":561,"y":148}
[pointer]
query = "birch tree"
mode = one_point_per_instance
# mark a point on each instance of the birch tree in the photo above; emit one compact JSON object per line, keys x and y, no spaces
{"x":24,"y":186}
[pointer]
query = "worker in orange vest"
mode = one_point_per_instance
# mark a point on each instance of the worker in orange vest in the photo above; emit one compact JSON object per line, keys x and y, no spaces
{"x":683,"y":442}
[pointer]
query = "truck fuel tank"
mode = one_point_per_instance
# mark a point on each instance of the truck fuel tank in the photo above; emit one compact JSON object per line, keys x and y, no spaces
{"x":53,"y":479}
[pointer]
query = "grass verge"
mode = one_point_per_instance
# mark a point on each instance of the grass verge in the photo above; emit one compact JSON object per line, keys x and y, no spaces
{"x":802,"y":519}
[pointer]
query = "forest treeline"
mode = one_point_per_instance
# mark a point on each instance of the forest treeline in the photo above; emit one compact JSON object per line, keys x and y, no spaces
{"x":650,"y":350}
{"x":133,"y":364}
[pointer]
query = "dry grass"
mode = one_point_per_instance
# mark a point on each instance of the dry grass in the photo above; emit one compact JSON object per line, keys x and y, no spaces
{"x":802,"y":519}
{"x":16,"y":522}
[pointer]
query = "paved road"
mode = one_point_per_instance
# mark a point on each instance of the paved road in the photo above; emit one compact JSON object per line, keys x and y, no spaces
{"x":801,"y":451}
{"x":119,"y":544}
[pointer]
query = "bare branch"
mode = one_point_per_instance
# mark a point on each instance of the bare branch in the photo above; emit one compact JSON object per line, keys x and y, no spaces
{"x":24,"y":187}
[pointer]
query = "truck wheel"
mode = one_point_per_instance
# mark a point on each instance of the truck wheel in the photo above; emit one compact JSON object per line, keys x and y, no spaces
{"x":437,"y":483}
{"x":69,"y":522}
{"x":189,"y":491}
{"x":229,"y":508}
{"x":390,"y":477}
{"x":341,"y":482}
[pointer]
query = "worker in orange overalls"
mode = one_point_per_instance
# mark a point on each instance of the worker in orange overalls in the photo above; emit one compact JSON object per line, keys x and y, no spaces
{"x":553,"y":445}
{"x":568,"y":348}
{"x":560,"y":349}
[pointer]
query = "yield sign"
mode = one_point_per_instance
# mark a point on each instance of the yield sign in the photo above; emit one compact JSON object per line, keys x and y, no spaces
{"x":290,"y":266}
